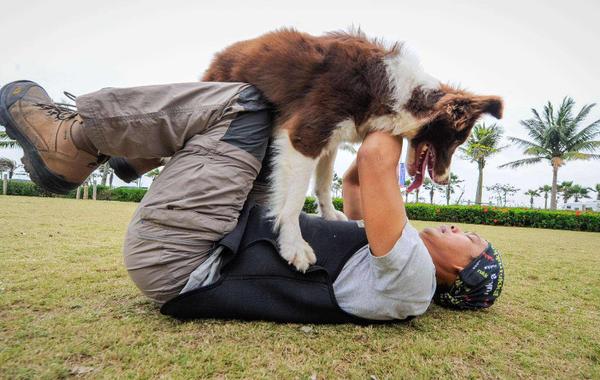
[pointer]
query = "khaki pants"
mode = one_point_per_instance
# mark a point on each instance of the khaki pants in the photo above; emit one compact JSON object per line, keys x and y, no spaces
{"x":216,"y":134}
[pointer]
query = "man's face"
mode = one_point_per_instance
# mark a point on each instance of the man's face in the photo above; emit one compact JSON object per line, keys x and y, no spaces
{"x":451,"y":250}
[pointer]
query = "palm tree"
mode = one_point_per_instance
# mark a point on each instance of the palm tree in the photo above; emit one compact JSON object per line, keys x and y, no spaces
{"x":106,"y":172}
{"x":336,"y":185}
{"x":153,"y":173}
{"x":7,"y":165}
{"x":432,"y":187}
{"x":7,"y":142}
{"x":546,"y":189}
{"x":532,"y":194}
{"x":580,"y":192}
{"x":565,"y":188}
{"x":558,"y":137}
{"x":453,"y":182}
{"x":483,"y":143}
{"x":597,"y":190}
{"x":407,"y":183}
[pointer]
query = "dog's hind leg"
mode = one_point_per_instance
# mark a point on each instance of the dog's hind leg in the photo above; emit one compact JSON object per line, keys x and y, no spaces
{"x":323,"y":182}
{"x":290,"y":179}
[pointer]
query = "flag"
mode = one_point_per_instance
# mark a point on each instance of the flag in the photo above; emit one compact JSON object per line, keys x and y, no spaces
{"x":401,"y":174}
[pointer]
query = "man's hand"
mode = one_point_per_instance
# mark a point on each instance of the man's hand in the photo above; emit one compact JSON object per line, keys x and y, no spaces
{"x":380,"y":198}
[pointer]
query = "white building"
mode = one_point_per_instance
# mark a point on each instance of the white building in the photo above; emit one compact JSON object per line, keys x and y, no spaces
{"x":581,"y":206}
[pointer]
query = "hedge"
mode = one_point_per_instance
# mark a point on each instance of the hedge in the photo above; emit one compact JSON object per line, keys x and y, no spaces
{"x":104,"y":193}
{"x":502,"y":216}
{"x":497,"y":216}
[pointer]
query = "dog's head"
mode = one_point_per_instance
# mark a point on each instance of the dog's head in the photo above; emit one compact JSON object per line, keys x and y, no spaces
{"x":446,"y":116}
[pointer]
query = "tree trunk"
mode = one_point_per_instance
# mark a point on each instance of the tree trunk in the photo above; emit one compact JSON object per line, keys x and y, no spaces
{"x":448,"y":194}
{"x":105,"y":171}
{"x":545,"y":201}
{"x":110,"y":179}
{"x":554,"y":187}
{"x":479,"y":193}
{"x":460,"y":197}
{"x":85,"y":191}
{"x":431,"y":196}
{"x":417,"y":196}
{"x":531,"y":202}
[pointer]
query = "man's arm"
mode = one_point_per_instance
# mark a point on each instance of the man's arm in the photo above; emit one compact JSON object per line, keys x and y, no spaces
{"x":351,"y":193}
{"x":380,"y":198}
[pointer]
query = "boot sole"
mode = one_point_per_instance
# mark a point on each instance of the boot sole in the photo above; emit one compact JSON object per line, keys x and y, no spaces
{"x":123,"y":170}
{"x":32,"y":161}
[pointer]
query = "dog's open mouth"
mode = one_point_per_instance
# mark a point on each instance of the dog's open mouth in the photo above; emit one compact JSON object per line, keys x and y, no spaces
{"x":425,"y":161}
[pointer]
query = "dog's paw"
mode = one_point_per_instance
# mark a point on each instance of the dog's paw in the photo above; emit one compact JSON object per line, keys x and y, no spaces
{"x":299,"y":254}
{"x":333,"y":214}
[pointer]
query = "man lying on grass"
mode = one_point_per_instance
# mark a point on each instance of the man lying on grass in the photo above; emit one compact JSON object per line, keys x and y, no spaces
{"x":200,"y":244}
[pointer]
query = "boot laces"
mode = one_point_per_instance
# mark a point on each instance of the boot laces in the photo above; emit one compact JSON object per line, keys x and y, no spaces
{"x":61,"y":111}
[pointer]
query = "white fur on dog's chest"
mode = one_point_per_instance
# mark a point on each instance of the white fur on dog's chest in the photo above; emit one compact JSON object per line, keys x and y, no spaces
{"x":398,"y":124}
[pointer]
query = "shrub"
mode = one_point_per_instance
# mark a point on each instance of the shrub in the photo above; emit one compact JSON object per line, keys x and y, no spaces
{"x":517,"y":217}
{"x":499,"y":216}
{"x":128,"y":194}
{"x":17,"y":187}
{"x":125,"y":194}
{"x":310,"y":205}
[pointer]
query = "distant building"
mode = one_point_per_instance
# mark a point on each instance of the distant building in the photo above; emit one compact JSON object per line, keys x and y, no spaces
{"x":581,"y":206}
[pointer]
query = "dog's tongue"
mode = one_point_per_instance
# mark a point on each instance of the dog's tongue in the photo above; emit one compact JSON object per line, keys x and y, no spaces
{"x":418,"y":180}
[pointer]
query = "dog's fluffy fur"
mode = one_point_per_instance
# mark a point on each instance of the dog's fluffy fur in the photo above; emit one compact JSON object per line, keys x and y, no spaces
{"x":335,"y":88}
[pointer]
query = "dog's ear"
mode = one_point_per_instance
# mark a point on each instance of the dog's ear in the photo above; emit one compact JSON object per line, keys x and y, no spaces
{"x":492,"y":105}
{"x":465,"y":109}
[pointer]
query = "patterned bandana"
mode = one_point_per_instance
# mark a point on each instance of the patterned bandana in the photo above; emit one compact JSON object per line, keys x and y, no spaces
{"x":478,"y":284}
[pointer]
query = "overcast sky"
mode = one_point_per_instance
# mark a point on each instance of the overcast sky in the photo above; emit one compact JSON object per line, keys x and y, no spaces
{"x":529,"y":52}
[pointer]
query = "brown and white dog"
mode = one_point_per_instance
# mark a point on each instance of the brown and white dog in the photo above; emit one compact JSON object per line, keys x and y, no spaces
{"x":337,"y":88}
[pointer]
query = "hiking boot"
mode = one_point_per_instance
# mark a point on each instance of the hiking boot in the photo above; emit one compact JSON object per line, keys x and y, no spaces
{"x":130,"y":169}
{"x":58,"y":156}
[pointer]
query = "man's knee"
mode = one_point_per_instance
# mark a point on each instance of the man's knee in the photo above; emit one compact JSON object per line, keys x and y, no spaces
{"x":250,"y":131}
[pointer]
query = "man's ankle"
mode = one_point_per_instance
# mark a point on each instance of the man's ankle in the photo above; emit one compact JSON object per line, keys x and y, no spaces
{"x":81,"y":140}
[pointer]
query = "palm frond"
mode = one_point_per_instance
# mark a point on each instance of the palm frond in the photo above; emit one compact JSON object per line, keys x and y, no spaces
{"x":524,"y":143}
{"x":585,"y":110}
{"x":348,"y":148}
{"x":590,"y":132}
{"x":565,"y":111}
{"x":522,"y":162}
{"x":571,"y":156}
{"x":585,"y":146}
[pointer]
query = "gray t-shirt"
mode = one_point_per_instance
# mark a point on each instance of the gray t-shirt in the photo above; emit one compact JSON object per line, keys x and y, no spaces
{"x":394,"y":286}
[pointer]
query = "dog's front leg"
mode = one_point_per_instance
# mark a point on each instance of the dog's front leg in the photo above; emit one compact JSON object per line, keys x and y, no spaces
{"x":290,"y":179}
{"x":323,"y":182}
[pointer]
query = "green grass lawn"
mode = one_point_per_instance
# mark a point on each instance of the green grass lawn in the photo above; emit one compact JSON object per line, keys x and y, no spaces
{"x":68,"y":308}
